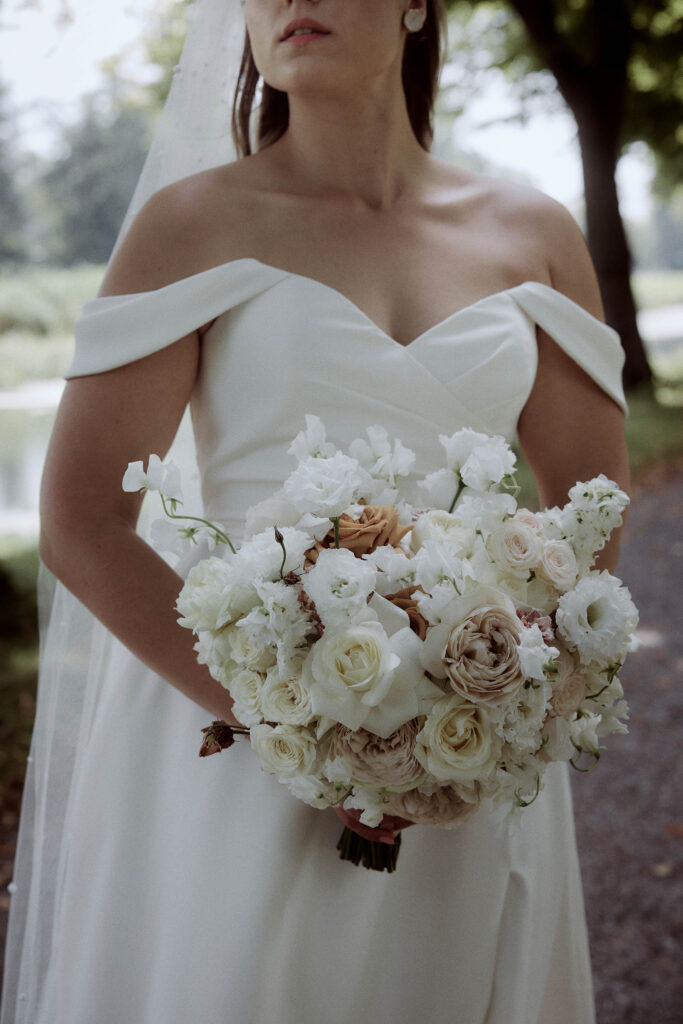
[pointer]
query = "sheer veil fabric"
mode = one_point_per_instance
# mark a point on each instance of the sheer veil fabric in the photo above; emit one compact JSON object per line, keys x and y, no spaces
{"x":194,"y":134}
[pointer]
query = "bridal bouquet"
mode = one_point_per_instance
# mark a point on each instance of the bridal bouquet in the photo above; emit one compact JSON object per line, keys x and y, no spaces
{"x":404,"y":661}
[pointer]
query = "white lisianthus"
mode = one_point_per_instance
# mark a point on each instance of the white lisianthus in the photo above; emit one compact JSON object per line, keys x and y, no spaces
{"x":160,"y":476}
{"x":558,"y":565}
{"x":262,"y":555}
{"x":339,"y":584}
{"x":326,"y":487}
{"x":484,"y":513}
{"x":394,"y":570}
{"x":284,"y":750}
{"x":516,"y":547}
{"x":480,"y":459}
{"x":248,"y":648}
{"x":457,"y":741}
{"x":273,"y":511}
{"x":597,"y":618}
{"x":245,"y":688}
{"x":211,"y":597}
{"x":286,"y":699}
{"x":439,"y":525}
{"x":312,"y":441}
{"x":534,"y":653}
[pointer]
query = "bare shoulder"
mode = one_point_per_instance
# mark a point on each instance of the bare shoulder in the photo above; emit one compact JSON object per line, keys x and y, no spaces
{"x":183,"y":229}
{"x":534,"y":231}
{"x":557,"y":239}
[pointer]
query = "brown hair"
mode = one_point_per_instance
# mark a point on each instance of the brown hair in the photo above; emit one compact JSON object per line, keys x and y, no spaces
{"x":422,"y":59}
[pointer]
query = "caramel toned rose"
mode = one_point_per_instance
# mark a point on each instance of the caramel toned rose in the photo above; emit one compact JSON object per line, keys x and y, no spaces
{"x":444,"y":807}
{"x":376,"y":526}
{"x":375,"y":762}
{"x":402,"y":599}
{"x":481,"y":656}
{"x":475,"y":646}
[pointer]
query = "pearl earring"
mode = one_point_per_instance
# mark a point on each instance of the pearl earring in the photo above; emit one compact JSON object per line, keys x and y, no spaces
{"x":414,"y":19}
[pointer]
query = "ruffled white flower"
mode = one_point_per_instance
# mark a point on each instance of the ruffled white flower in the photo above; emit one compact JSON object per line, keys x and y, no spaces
{"x":261,"y":555}
{"x":245,"y":688}
{"x":394,"y":570}
{"x":441,"y":526}
{"x":382,"y":460}
{"x":312,"y":441}
{"x":584,"y":732}
{"x":521,"y":722}
{"x":284,"y":750}
{"x":250,"y":647}
{"x":213,"y":650}
{"x":313,"y":791}
{"x":369,"y":802}
{"x":480,"y":459}
{"x":160,"y":476}
{"x":213,"y":596}
{"x":326,"y":487}
{"x":534,"y":653}
{"x":339,"y":584}
{"x":597,"y":618}
{"x":485,"y":512}
{"x":273,"y":511}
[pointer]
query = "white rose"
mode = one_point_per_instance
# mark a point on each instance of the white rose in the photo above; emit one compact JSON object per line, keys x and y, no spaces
{"x":597,"y":618}
{"x":516,"y":547}
{"x":286,"y":699}
{"x":284,"y":750}
{"x":362,"y":677}
{"x":210,"y":598}
{"x":441,"y":526}
{"x":558,"y":564}
{"x":339,"y":584}
{"x":457,"y":741}
{"x":245,"y":688}
{"x":326,"y":487}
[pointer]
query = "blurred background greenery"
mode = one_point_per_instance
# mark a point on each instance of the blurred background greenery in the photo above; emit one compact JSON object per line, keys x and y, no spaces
{"x":616,"y":66}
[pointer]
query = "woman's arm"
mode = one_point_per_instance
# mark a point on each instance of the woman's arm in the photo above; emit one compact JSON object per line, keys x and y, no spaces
{"x":88,"y":536}
{"x":570,"y":429}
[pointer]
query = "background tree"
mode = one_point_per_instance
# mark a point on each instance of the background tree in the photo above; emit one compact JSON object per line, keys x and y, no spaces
{"x":89,"y":187}
{"x":12,"y":242}
{"x":617,"y":65}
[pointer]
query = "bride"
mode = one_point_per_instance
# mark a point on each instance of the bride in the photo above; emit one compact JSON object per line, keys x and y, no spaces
{"x":339,"y":269}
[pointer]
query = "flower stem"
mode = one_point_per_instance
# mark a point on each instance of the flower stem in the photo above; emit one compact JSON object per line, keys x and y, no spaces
{"x":457,"y":495}
{"x":374,"y":856}
{"x":220,"y":535}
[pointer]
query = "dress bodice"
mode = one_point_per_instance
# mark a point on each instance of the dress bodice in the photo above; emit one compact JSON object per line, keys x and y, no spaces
{"x":282,"y":345}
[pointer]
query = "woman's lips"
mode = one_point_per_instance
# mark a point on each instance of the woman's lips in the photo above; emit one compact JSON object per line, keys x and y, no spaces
{"x":305,"y":37}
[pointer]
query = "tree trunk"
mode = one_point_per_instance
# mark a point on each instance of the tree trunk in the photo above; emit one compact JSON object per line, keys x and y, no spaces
{"x":609,"y":246}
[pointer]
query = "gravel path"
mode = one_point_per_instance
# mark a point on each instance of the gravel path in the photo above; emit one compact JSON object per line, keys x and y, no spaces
{"x":629,"y":813}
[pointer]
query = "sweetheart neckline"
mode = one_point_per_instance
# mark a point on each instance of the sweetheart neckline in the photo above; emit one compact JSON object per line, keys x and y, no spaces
{"x":368,"y":319}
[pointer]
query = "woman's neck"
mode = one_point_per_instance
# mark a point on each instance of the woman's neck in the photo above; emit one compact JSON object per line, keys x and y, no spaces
{"x":361,"y":146}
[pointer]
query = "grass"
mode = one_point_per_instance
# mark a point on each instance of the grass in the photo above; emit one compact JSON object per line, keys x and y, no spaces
{"x":657,"y":287}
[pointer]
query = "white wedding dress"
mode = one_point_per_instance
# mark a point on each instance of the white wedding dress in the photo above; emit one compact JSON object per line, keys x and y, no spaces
{"x":201,"y":890}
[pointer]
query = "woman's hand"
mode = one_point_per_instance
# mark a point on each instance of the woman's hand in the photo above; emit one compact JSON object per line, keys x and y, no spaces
{"x":383,"y":833}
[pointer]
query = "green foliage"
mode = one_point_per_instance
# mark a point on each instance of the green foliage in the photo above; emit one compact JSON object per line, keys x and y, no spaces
{"x":88,"y":189}
{"x":45,"y":300}
{"x":581,"y":38}
{"x":12,"y":245}
{"x":163,"y":44}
